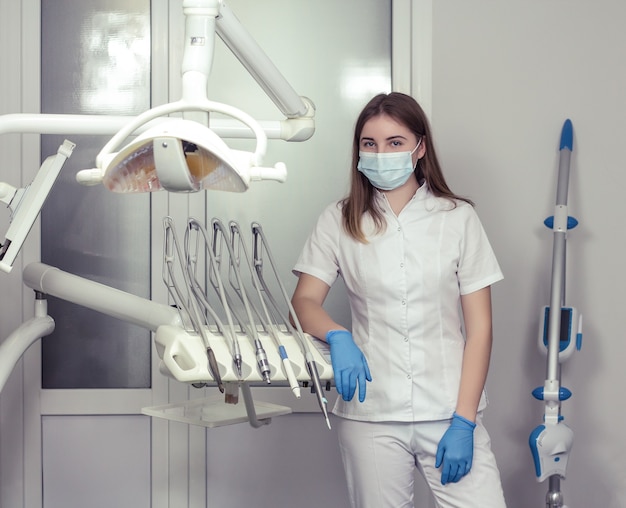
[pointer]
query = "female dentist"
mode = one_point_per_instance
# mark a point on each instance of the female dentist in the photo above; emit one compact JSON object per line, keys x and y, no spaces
{"x":418,"y":269}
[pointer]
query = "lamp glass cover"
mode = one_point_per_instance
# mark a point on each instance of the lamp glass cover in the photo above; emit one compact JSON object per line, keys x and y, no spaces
{"x":207,"y":157}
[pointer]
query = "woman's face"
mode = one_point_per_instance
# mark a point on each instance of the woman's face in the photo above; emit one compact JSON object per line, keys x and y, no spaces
{"x":384,"y":134}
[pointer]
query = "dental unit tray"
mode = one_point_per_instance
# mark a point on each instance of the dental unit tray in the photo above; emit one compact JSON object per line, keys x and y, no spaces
{"x":217,"y":343}
{"x":183,"y":357}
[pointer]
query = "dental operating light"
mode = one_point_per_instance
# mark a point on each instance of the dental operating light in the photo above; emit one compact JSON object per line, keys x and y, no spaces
{"x":188,"y":157}
{"x":180,"y":156}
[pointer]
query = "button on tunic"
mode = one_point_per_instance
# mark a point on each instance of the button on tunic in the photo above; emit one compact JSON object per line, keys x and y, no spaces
{"x":404,"y":287}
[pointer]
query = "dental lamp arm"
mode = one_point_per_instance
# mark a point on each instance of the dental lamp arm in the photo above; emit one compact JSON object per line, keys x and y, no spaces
{"x":31,"y":123}
{"x":293,"y":129}
{"x":258,"y":64}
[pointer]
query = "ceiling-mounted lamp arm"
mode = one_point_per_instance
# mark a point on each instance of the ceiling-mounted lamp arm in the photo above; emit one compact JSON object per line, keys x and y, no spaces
{"x":258,"y":64}
{"x":199,"y":45}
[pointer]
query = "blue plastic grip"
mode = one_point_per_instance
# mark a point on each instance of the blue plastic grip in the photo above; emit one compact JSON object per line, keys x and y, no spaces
{"x":564,"y":393}
{"x":567,"y":135}
{"x":532,"y":441}
{"x":572,"y":222}
{"x":283,"y":352}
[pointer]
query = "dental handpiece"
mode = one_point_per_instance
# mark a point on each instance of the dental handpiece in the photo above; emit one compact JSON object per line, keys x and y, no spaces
{"x":238,"y":361}
{"x":262,"y":362}
{"x":317,"y":386}
{"x":291,"y":376}
{"x":215,"y":371}
{"x":171,"y":250}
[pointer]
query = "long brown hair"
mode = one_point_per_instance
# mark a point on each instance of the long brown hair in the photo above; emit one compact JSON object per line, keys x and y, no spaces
{"x":404,"y":109}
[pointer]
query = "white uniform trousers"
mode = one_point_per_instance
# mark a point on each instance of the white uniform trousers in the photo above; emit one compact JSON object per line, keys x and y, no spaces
{"x":380,"y":460}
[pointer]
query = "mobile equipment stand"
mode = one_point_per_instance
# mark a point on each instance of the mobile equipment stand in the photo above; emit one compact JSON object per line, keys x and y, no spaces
{"x":560,"y":334}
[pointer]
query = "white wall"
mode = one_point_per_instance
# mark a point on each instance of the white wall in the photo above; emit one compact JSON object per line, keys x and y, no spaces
{"x":506,"y":75}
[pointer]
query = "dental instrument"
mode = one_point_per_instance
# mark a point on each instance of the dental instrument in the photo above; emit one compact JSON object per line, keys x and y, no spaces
{"x":233,"y":267}
{"x":216,"y":281}
{"x":231,"y":390}
{"x":266,"y":320}
{"x":170,"y":248}
{"x":551,"y":442}
{"x":260,"y":244}
{"x":185,"y":303}
{"x":194,"y":225}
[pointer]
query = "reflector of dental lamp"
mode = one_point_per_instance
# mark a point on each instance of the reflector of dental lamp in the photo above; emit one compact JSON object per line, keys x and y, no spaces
{"x":181,"y":155}
{"x":177,"y":156}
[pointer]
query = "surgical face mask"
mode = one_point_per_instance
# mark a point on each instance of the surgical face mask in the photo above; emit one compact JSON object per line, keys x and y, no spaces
{"x":387,"y":170}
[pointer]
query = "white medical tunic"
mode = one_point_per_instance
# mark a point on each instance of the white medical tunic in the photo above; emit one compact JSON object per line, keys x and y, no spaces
{"x":404,"y":288}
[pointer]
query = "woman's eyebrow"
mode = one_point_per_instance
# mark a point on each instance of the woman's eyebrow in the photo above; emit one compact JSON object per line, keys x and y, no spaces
{"x":397,"y":136}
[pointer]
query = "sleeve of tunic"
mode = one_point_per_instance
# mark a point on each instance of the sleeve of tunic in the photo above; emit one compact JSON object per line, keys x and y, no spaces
{"x":478,"y":266}
{"x":319,"y":254}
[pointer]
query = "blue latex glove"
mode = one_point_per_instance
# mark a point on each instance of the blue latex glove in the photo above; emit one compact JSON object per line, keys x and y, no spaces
{"x":456,"y":449}
{"x":349,"y":364}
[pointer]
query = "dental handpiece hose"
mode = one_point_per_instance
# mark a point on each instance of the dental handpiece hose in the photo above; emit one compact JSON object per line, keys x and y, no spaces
{"x":260,"y":354}
{"x":260,"y":243}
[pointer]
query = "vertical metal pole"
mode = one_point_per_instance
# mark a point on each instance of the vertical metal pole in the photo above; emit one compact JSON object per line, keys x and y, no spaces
{"x":554,"y":498}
